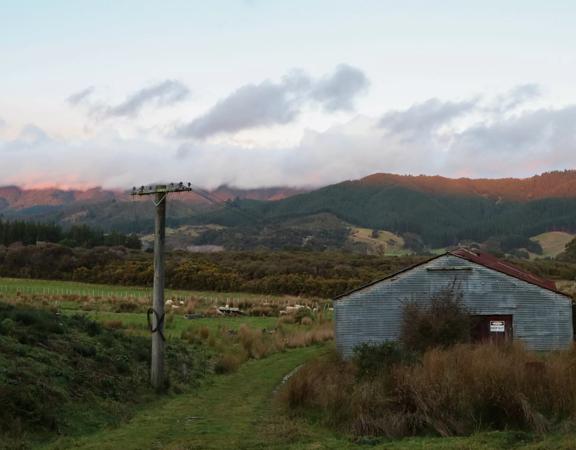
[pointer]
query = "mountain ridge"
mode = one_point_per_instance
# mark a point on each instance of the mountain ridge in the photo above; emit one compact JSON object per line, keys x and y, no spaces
{"x":433,"y":210}
{"x":557,"y":184}
{"x":18,"y":198}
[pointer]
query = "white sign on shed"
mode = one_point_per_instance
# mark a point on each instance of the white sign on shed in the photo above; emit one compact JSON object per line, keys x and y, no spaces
{"x":497,"y":326}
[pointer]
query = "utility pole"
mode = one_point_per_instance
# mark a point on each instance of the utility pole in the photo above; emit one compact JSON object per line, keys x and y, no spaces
{"x":156,"y":314}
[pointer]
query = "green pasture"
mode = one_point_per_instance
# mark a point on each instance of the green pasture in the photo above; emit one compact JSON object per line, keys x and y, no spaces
{"x":56,"y":287}
{"x":176,"y":324}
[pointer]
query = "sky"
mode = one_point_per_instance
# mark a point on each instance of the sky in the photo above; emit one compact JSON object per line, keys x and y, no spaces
{"x":257,"y":93}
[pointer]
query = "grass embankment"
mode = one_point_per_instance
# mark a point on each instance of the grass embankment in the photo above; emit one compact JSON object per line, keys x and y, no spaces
{"x":70,"y":375}
{"x":95,"y":374}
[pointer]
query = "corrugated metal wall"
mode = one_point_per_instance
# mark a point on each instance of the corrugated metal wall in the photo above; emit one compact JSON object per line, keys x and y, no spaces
{"x":541,"y":318}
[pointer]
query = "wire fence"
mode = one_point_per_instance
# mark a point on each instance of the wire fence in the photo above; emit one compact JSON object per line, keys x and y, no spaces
{"x":82,"y":291}
{"x":8,"y":288}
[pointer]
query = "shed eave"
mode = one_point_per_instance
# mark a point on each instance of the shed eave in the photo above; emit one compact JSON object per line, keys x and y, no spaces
{"x":450,"y":253}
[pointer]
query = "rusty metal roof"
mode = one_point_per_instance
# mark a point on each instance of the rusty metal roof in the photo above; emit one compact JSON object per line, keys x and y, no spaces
{"x":490,"y":261}
{"x":478,"y":257}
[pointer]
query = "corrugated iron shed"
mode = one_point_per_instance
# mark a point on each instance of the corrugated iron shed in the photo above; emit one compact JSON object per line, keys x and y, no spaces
{"x":479,"y":257}
{"x":536,"y":313}
{"x":490,"y":261}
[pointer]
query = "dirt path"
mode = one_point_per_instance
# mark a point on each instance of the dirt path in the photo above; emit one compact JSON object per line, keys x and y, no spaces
{"x":226,"y":414}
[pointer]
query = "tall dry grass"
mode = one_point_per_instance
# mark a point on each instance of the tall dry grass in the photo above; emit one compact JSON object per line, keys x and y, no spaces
{"x":232,"y":348}
{"x":453,"y":391}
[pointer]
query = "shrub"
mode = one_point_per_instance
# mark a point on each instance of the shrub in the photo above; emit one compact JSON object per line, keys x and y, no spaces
{"x":376,"y":359}
{"x":303,"y":314}
{"x":114,"y":324}
{"x":39,"y":320}
{"x":253,"y":342}
{"x":204,"y":332}
{"x":227,"y":363}
{"x":323,"y":385}
{"x":306,"y":321}
{"x":453,"y":391}
{"x":287,"y":319}
{"x":440,"y":321}
{"x":191,"y":305}
{"x":126,"y":307}
{"x":262,"y":311}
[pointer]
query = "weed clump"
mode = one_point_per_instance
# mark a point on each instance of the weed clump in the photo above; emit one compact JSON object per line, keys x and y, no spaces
{"x":373,"y":360}
{"x":228,"y":362}
{"x":448,"y":391}
{"x":441,"y":321}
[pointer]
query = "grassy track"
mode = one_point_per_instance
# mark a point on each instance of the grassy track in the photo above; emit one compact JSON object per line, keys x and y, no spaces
{"x":237,"y":412}
{"x":224,"y":415}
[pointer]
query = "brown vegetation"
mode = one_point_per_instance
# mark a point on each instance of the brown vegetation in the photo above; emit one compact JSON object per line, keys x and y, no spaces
{"x":233,"y":348}
{"x":453,"y":391}
{"x":442,"y":321}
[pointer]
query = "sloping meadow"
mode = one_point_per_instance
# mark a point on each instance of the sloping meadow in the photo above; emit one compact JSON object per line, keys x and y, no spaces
{"x":64,"y":375}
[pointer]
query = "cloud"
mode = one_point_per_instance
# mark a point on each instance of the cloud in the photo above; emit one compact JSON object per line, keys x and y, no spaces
{"x":250,"y":106}
{"x":269,"y":103}
{"x":165,"y":93}
{"x":31,"y":136}
{"x":425,"y":118}
{"x":80,"y":97}
{"x":338,"y":91}
{"x":161,"y":94}
{"x":3,"y":123}
{"x":516,"y":96}
{"x":422,"y":138}
{"x":531,"y":141}
{"x":419,"y":139}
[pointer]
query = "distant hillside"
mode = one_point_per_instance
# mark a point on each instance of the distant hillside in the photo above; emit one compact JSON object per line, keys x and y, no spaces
{"x":424,"y":212}
{"x":14,"y":197}
{"x":548,"y":185}
{"x":441,"y":211}
{"x":116,"y":210}
{"x":17,"y":198}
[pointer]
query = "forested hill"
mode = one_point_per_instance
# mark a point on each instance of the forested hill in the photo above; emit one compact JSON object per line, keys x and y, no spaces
{"x":441,"y":211}
{"x":561,"y":184}
{"x":435,"y":210}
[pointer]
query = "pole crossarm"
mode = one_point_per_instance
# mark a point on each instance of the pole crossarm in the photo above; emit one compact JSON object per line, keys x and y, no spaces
{"x":160,"y":189}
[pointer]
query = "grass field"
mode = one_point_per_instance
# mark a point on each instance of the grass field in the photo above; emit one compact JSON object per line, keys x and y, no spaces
{"x":553,"y":242}
{"x":238,"y":411}
{"x":175,"y":325}
{"x":100,"y":301}
{"x":386,"y":243}
{"x":56,"y":287}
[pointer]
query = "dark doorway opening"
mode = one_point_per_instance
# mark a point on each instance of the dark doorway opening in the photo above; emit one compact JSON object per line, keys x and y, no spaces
{"x":492,"y":328}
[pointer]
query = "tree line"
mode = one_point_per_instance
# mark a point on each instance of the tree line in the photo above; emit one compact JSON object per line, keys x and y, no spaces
{"x":307,"y":273}
{"x":32,"y":233}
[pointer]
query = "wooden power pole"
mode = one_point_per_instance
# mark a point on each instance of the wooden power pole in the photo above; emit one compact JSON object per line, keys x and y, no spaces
{"x":156,"y":314}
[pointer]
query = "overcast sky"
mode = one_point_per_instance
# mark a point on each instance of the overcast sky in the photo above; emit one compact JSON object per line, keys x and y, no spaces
{"x":295,"y":92}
